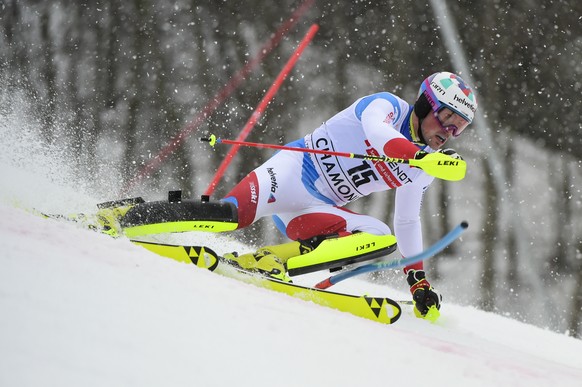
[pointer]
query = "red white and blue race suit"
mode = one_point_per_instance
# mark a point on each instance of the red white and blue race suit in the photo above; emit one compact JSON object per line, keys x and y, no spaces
{"x":305,"y":192}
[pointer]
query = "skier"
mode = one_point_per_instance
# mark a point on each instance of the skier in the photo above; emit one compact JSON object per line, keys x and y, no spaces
{"x":305,"y":192}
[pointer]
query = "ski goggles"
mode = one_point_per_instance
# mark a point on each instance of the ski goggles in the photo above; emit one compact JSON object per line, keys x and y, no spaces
{"x":451,"y":121}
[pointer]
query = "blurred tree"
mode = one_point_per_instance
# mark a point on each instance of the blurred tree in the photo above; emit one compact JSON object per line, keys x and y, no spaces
{"x":557,"y":262}
{"x":575,"y":319}
{"x":489,"y":235}
{"x":511,"y":251}
{"x":47,"y":74}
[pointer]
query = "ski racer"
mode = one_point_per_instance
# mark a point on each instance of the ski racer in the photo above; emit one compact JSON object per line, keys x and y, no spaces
{"x":305,"y":193}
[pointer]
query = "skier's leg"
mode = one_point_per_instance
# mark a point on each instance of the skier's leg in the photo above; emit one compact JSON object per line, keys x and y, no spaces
{"x":274,"y":187}
{"x":337,"y":236}
{"x":324,"y":219}
{"x":277,"y":187}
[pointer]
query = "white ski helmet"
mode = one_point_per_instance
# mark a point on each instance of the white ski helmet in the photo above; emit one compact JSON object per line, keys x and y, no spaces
{"x":448,"y":90}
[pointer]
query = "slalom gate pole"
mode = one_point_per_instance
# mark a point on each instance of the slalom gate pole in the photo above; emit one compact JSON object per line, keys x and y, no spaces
{"x":219,"y":97}
{"x":440,"y":245}
{"x":261,"y":107}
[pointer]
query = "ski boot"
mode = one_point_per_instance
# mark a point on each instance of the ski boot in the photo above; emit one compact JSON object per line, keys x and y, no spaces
{"x":107,"y":220}
{"x":269,"y":260}
{"x":109,"y":214}
{"x":264,"y":263}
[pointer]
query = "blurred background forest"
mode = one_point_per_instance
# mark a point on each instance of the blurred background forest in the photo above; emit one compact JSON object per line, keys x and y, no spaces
{"x":110,"y":84}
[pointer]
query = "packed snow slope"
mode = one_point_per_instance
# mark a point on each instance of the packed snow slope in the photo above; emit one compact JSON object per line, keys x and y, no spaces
{"x":78,"y":308}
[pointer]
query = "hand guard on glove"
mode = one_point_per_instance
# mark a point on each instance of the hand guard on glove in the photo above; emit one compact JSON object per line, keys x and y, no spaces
{"x":425,"y":297}
{"x":448,"y":151}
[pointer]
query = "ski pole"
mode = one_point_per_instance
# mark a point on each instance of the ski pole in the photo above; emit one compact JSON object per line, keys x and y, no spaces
{"x":440,"y":245}
{"x":435,"y":164}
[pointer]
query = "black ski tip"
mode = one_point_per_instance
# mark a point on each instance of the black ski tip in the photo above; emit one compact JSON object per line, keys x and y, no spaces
{"x":464,"y":224}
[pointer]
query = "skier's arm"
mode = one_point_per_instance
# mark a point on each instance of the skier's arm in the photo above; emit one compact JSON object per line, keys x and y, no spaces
{"x":407,"y":225}
{"x":377,"y":118}
{"x":407,"y":228}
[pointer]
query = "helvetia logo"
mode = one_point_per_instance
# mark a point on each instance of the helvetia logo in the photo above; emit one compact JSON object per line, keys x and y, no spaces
{"x":273,"y":177}
{"x":465,"y":102}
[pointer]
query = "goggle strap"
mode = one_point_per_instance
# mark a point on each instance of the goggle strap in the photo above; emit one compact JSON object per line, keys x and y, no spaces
{"x":434,"y":102}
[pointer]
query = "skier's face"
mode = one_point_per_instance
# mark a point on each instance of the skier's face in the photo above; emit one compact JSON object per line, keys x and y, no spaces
{"x":438,"y":128}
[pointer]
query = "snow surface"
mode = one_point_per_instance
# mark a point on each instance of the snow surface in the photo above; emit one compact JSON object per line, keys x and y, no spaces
{"x":78,"y":308}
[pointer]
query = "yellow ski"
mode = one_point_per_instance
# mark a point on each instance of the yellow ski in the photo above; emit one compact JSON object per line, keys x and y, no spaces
{"x":380,"y":309}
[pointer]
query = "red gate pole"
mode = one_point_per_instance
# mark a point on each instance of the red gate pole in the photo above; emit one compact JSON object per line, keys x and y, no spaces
{"x":261,"y":107}
{"x":219,"y":98}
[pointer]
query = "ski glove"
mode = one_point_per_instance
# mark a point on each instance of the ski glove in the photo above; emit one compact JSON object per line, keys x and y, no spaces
{"x":448,"y":151}
{"x":424,"y":296}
